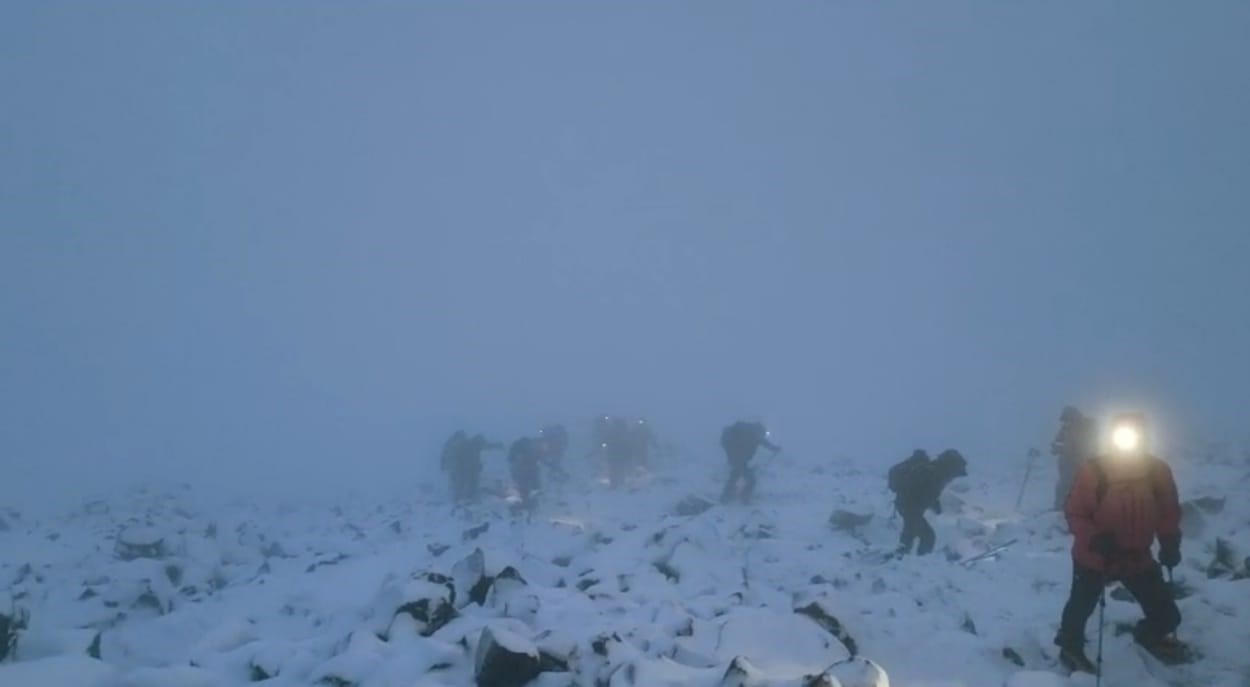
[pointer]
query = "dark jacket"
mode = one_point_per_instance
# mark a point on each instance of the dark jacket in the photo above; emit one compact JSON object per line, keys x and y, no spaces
{"x":742,"y":439}
{"x":922,"y":486}
{"x":617,"y":440}
{"x":1076,"y":441}
{"x":557,"y":439}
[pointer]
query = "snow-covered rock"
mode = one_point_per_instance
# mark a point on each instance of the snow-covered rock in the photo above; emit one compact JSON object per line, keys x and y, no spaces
{"x":819,"y":612}
{"x":138,"y":541}
{"x":505,"y":659}
{"x":67,"y":671}
{"x":471,"y":581}
{"x":511,"y":596}
{"x":174,"y":676}
{"x":849,"y":521}
{"x":1036,"y":678}
{"x":781,"y":644}
{"x":858,"y":672}
{"x":692,"y":505}
{"x":429,"y":600}
{"x":604,"y":588}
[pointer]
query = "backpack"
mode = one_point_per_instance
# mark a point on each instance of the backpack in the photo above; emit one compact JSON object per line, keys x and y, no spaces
{"x":904,"y":474}
{"x":741,"y":437}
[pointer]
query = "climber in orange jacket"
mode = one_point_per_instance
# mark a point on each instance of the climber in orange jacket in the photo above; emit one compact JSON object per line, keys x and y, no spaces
{"x":1120,"y":504}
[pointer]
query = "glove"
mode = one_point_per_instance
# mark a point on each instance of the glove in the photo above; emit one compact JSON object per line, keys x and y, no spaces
{"x":1104,"y":544}
{"x":1170,"y":553}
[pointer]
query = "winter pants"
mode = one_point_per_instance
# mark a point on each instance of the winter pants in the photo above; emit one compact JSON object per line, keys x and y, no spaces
{"x":464,"y":482}
{"x":527,"y":484}
{"x":1152,"y":594}
{"x":739,"y":471}
{"x":618,"y":466}
{"x":915,"y":526}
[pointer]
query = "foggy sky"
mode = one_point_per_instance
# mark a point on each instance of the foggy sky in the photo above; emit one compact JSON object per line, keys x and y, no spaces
{"x":240,"y":238}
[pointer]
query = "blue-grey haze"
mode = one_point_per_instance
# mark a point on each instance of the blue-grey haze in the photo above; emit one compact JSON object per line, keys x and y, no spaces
{"x":247,"y":240}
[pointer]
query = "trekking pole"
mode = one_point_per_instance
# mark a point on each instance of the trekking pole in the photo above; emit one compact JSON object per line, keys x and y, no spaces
{"x":1102,"y":612}
{"x":1172,"y":591}
{"x":1028,"y":469}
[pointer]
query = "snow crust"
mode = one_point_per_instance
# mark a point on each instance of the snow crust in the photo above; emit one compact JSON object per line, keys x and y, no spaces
{"x":632,"y":587}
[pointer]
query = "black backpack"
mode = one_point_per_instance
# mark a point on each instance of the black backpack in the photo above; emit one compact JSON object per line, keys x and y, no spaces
{"x":904,"y":474}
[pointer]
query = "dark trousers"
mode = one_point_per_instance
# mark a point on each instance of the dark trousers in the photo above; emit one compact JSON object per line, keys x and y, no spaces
{"x":915,"y":526}
{"x":739,"y":471}
{"x":1152,"y":594}
{"x":618,"y":466}
{"x":527,"y":484}
{"x":464,"y":483}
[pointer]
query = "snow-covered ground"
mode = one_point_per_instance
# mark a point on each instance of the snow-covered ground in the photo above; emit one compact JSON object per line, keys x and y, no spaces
{"x":168,"y":588}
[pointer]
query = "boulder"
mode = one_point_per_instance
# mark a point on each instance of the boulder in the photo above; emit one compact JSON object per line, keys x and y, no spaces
{"x":139,"y":542}
{"x":429,"y":598}
{"x":505,"y":659}
{"x":506,"y":584}
{"x":692,"y":505}
{"x":182,"y":676}
{"x":1014,"y":656}
{"x":1036,"y":678}
{"x":268,"y":660}
{"x":742,"y":673}
{"x":354,"y":661}
{"x":475,"y":532}
{"x":858,"y":672}
{"x":78,"y":671}
{"x":140,"y":585}
{"x":817,"y":611}
{"x":967,"y":624}
{"x":1226,"y":562}
{"x":510,"y":595}
{"x":849,"y":521}
{"x":780,"y":644}
{"x":470,"y":579}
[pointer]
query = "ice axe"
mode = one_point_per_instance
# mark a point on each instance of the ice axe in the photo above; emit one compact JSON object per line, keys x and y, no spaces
{"x":1028,"y":470}
{"x":1102,"y":615}
{"x":991,"y":553}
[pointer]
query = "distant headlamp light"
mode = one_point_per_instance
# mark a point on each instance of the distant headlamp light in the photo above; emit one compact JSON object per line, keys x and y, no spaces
{"x":1126,"y":438}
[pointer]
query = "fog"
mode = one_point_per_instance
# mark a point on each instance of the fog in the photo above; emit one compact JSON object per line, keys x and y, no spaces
{"x":253,"y":244}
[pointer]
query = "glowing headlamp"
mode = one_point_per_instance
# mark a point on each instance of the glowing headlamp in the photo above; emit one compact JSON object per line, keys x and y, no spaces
{"x":1126,"y":438}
